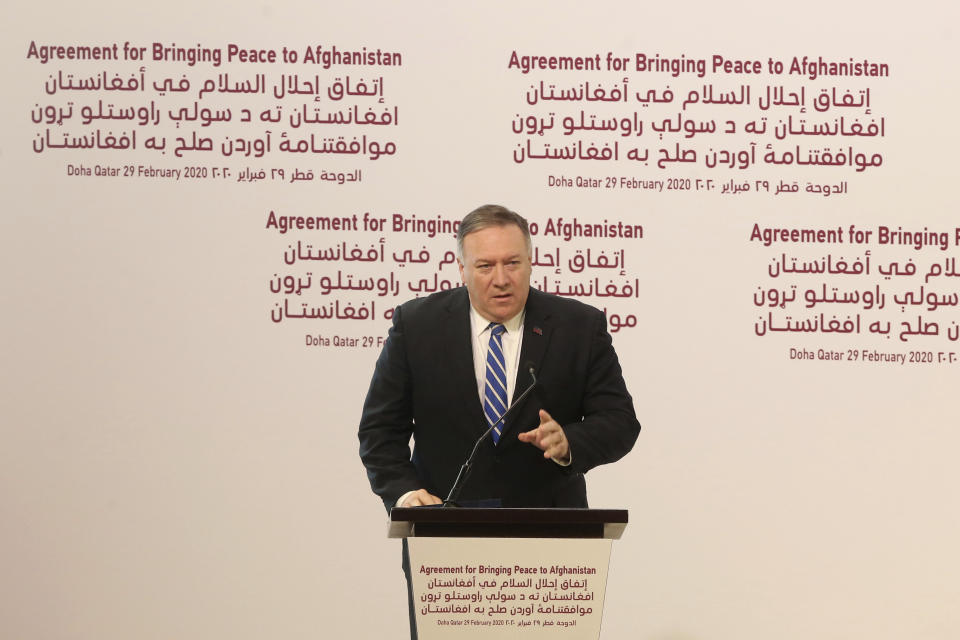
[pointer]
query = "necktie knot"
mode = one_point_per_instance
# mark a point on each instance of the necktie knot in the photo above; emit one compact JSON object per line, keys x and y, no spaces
{"x":497,"y":329}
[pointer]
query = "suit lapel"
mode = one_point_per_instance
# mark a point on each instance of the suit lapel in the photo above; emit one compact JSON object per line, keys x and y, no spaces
{"x":458,"y":351}
{"x":536,"y":337}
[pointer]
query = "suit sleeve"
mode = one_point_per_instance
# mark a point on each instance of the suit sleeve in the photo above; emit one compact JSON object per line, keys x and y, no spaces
{"x":386,"y":423}
{"x":609,"y":426}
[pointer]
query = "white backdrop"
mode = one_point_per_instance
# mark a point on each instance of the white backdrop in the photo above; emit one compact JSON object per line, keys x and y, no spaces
{"x":178,"y":462}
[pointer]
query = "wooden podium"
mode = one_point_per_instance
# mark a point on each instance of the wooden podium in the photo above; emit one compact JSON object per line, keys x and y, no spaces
{"x":508,"y":573}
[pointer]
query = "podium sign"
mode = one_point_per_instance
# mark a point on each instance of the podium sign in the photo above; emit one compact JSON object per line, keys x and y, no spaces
{"x":508,"y":573}
{"x":508,"y":587}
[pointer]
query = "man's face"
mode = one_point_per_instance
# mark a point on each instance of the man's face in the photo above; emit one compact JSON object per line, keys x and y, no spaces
{"x":496,"y":271}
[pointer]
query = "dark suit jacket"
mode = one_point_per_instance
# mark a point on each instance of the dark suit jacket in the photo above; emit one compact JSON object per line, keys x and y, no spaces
{"x":424,"y":384}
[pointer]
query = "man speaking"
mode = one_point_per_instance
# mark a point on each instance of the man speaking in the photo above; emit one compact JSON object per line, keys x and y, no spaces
{"x":452,"y":363}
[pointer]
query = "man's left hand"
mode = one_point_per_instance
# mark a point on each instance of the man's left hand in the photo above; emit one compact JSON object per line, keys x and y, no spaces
{"x":550,"y":438}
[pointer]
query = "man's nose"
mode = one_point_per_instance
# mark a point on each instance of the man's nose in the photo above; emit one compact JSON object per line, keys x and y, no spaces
{"x":500,"y":276}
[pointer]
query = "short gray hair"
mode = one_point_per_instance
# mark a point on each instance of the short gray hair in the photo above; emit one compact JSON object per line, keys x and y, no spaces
{"x":491,"y":215}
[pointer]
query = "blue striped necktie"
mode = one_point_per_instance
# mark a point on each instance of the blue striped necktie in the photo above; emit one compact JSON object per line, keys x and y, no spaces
{"x":495,"y":389}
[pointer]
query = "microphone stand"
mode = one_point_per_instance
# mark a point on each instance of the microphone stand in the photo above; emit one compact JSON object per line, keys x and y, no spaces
{"x":465,"y":469}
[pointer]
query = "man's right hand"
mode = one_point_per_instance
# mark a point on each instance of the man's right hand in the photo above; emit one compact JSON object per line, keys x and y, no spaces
{"x":420,"y":498}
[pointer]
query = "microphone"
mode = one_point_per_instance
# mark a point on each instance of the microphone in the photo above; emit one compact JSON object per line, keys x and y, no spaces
{"x":461,"y":480}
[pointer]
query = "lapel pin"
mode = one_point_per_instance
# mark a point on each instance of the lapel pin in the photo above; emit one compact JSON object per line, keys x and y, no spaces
{"x":538,"y":331}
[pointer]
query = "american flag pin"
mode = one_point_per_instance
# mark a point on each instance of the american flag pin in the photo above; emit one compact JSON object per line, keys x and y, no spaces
{"x":538,"y":331}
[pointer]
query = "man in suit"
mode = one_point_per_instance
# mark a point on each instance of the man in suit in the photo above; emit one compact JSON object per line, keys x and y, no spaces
{"x":442,"y":372}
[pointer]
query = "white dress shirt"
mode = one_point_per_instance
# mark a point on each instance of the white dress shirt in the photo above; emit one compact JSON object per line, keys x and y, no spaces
{"x":512,"y":339}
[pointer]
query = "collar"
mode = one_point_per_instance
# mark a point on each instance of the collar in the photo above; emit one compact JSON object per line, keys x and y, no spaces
{"x":479,"y":324}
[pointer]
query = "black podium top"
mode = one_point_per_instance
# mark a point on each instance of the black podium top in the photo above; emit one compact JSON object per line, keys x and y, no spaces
{"x":438,"y":522}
